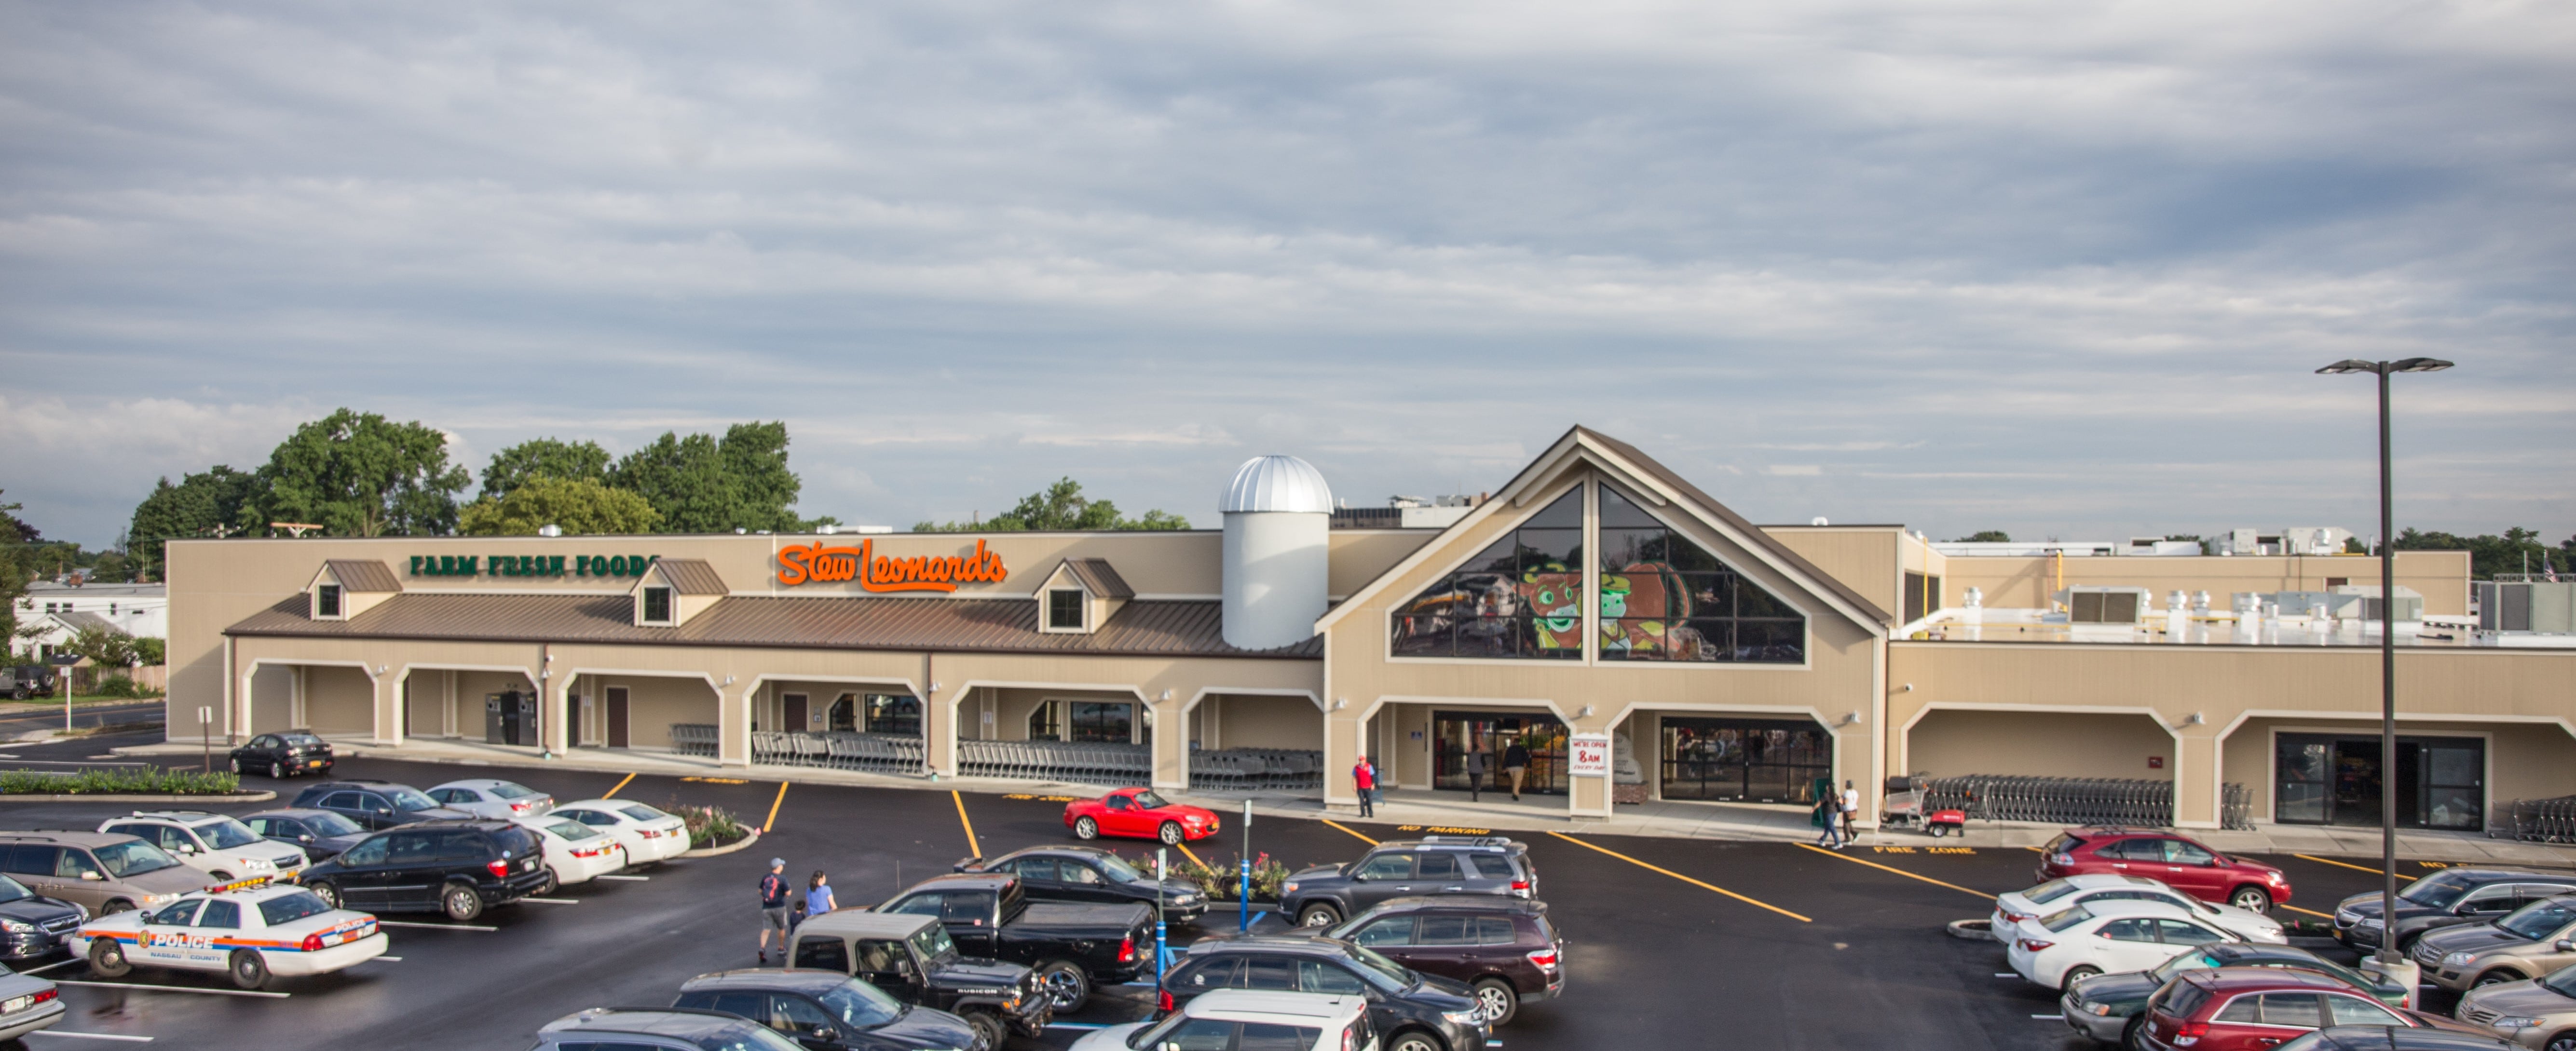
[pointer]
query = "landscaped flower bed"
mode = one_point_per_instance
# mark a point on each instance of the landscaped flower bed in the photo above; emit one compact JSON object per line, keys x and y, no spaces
{"x":709,"y":826}
{"x":122,"y":780}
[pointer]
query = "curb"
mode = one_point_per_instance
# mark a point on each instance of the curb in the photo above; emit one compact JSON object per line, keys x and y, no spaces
{"x":1971,"y":930}
{"x":739,"y":844}
{"x":110,"y":797}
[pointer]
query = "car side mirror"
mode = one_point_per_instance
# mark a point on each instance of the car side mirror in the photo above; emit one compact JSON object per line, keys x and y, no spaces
{"x":2565,"y":945}
{"x":307,"y":838}
{"x":185,"y":849}
{"x":827,"y":1033}
{"x":92,"y":876}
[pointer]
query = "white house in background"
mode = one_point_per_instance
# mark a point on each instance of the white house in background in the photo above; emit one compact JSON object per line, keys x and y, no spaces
{"x":58,"y":609}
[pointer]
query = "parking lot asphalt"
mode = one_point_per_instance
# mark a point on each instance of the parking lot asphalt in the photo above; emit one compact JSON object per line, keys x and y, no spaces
{"x":1671,"y":943}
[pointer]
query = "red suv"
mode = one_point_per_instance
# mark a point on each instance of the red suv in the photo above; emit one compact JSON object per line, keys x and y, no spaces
{"x":2258,"y":1008}
{"x":2186,"y":866}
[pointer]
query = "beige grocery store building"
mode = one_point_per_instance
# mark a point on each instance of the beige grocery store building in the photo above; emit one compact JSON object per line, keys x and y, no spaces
{"x":1597,"y":593}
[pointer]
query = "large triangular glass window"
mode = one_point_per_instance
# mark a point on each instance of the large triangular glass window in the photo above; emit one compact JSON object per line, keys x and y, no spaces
{"x":1664,"y":598}
{"x":1521,"y":597}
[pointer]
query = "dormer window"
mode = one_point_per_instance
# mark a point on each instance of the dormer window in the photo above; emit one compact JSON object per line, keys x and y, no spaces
{"x":657,"y":606}
{"x":326,"y":602}
{"x":1065,"y":609}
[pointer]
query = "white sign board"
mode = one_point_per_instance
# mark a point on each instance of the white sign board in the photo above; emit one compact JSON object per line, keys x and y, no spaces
{"x":1588,"y":755}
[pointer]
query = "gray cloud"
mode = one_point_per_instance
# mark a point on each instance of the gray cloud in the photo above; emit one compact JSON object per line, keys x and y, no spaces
{"x":2045,"y":268}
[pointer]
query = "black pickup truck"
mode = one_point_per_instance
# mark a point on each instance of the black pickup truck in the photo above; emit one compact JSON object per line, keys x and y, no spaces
{"x":913,"y":960}
{"x":1072,"y":947}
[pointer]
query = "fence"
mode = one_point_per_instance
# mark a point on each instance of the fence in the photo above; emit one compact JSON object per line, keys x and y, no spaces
{"x":1256,"y":769}
{"x":2537,"y":820}
{"x":1118,"y":765}
{"x":2074,"y":801}
{"x":869,"y":753}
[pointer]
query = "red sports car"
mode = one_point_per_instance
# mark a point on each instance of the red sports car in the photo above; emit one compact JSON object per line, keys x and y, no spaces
{"x":1138,"y":812}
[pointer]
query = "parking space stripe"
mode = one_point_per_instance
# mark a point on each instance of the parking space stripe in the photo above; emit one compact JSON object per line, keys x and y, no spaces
{"x":92,"y":1036}
{"x":2339,"y":864}
{"x":180,"y":989}
{"x":1194,"y":858}
{"x":771,"y":821}
{"x":974,"y":848}
{"x":554,"y":901}
{"x":612,"y":793}
{"x":1668,"y":872}
{"x":51,"y":966}
{"x":1898,"y":871}
{"x":434,"y":926}
{"x":2310,"y":912}
{"x":1355,"y":835}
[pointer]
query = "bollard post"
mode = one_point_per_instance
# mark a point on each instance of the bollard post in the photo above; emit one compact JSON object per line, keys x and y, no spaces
{"x":1243,"y":911}
{"x":1162,"y":938}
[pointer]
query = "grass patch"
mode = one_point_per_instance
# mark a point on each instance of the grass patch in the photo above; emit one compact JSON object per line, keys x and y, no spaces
{"x":123,"y":780}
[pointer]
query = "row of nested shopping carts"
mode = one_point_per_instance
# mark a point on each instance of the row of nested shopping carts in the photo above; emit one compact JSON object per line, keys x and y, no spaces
{"x":694,"y":738}
{"x":2537,"y":820}
{"x":1256,"y":769}
{"x":1081,"y":762}
{"x":2070,"y":800}
{"x":871,"y":753}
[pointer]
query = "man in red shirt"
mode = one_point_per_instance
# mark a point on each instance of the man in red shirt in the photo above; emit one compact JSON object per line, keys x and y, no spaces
{"x":1366,"y":776}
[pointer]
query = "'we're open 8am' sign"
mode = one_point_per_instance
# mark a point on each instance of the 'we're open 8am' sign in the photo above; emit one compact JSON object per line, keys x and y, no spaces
{"x":1588,"y":755}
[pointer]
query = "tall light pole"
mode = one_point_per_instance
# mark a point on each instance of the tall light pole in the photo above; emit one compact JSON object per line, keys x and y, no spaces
{"x":2387,"y":650}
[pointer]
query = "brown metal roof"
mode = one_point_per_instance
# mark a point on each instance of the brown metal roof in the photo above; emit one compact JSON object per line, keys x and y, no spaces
{"x":692,"y":576}
{"x":363,"y":575}
{"x":1154,"y":628}
{"x":1096,"y":574}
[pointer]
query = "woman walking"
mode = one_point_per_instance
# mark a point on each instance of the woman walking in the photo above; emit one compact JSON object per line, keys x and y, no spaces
{"x":818,"y":895}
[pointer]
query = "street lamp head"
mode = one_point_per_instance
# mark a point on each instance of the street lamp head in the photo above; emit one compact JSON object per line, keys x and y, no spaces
{"x":2349,"y":365}
{"x":2418,"y":365}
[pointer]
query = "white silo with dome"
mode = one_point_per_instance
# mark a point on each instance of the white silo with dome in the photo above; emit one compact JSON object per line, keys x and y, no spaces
{"x":1278,"y":524}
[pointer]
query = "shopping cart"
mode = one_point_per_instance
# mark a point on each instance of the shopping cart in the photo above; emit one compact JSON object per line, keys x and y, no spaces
{"x":1905,"y":807}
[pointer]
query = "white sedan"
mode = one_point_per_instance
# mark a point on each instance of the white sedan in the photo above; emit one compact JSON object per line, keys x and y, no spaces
{"x":646,"y":834}
{"x":2107,"y":937}
{"x":575,"y":852}
{"x":249,"y":933}
{"x":495,"y":799}
{"x":2016,"y":906}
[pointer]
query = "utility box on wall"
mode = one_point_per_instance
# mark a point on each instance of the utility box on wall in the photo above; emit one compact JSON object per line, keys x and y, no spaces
{"x":510,"y":717}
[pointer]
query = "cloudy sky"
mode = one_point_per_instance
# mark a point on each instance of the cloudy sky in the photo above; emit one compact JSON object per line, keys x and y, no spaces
{"x":2061,"y":269}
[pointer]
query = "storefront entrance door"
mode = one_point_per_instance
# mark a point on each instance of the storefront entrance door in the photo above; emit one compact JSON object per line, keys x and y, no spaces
{"x":2335,"y":779}
{"x":1756,"y":760}
{"x":1455,"y":732}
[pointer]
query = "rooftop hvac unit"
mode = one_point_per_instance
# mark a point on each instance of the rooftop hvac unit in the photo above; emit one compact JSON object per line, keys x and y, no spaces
{"x":2535,"y":606}
{"x":2361,"y":602}
{"x":2096,"y":605}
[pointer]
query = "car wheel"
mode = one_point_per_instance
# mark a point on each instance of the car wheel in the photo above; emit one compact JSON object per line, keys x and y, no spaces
{"x":1086,"y":828}
{"x":2562,"y":1042}
{"x":2251,"y":899}
{"x":2076,"y":974}
{"x":18,"y":694}
{"x":248,"y":970}
{"x":1170,"y":833}
{"x":2497,"y":977}
{"x":1414,"y":1040}
{"x":107,"y":958}
{"x":1318,"y":915}
{"x":1938,"y":831}
{"x":276,"y":772}
{"x":114,"y":906}
{"x":989,"y":1029}
{"x":2133,"y":1036}
{"x":1067,"y":987}
{"x":329,"y":894}
{"x":1499,"y":1000}
{"x":553,"y":882}
{"x":461,"y":903}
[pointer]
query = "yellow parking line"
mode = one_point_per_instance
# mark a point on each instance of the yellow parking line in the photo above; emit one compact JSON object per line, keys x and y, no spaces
{"x":1898,"y":871}
{"x":2340,"y":864}
{"x":2311,"y":912}
{"x":1345,"y":828}
{"x":973,"y":848}
{"x":771,"y":821}
{"x":1194,"y":859}
{"x":612,"y":793}
{"x":1673,"y":874}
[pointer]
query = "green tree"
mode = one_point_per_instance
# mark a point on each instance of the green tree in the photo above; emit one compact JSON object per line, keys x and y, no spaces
{"x":208,"y":503}
{"x":2489,"y":555}
{"x":150,"y":650}
{"x":701,"y":484}
{"x":359,"y":474}
{"x":544,"y":458}
{"x":17,"y":566}
{"x":1060,"y":506}
{"x":1985,"y":536}
{"x":105,"y":647}
{"x":579,"y":505}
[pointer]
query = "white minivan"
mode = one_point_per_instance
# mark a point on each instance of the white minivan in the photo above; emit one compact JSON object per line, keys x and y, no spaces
{"x":1243,"y":1018}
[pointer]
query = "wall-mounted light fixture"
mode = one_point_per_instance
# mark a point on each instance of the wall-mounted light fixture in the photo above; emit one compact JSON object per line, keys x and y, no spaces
{"x":1849,"y":719}
{"x":1340,"y":703}
{"x":1166,"y":697}
{"x":1909,"y":688}
{"x":1584,"y":713}
{"x":2195,"y":719}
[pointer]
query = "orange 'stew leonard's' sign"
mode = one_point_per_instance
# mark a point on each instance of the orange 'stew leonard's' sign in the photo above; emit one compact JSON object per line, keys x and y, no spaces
{"x":814,"y":563}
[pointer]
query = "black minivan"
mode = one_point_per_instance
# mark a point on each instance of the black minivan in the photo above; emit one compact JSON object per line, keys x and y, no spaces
{"x":456,"y":867}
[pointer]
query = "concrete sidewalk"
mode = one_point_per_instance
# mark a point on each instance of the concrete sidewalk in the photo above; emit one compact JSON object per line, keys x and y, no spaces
{"x":1421,"y":810}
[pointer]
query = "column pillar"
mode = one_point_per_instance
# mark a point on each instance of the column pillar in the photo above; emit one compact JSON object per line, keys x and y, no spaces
{"x":1171,"y":741}
{"x":1341,"y":752}
{"x":554,"y":715}
{"x":939,"y":732}
{"x":389,"y":713}
{"x":2195,"y":767}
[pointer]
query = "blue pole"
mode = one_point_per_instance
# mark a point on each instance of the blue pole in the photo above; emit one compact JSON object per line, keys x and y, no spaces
{"x":1243,"y":912}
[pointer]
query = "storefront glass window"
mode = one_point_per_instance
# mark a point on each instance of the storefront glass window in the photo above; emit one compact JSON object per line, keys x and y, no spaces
{"x":1665,"y":598}
{"x":894,"y":714}
{"x":1760,"y":760}
{"x":1520,"y":597}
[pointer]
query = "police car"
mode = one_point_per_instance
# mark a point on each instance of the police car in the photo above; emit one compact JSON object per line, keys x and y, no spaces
{"x":250,"y":930}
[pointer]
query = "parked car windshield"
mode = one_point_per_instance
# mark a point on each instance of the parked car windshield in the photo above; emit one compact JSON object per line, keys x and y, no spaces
{"x":300,"y":740}
{"x":227,"y":834}
{"x":133,"y":859}
{"x":933,"y":944}
{"x":2562,"y":981}
{"x":511,"y":790}
{"x":2190,"y":961}
{"x":640,"y":812}
{"x":1118,"y":870}
{"x":1394,"y":974}
{"x":2057,"y":922}
{"x":12,"y":890}
{"x":2049,"y":891}
{"x":1149,"y":800}
{"x":2539,"y":919}
{"x":326,"y":823}
{"x":573,"y":830}
{"x":410,"y":800}
{"x":861,"y":1005}
{"x":2439,"y":891}
{"x":288,"y":908}
{"x":742,"y":1038}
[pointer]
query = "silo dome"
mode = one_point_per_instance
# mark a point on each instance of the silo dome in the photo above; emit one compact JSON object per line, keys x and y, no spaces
{"x":1278,"y":483}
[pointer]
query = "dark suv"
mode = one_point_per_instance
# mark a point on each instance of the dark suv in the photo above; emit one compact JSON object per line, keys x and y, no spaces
{"x":1491,"y":865}
{"x":22,"y":681}
{"x":827,"y":1010}
{"x":1415,"y":1011}
{"x":456,"y":867}
{"x":285,"y":753}
{"x":1504,"y":949}
{"x":2447,"y":898}
{"x":375,"y":804}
